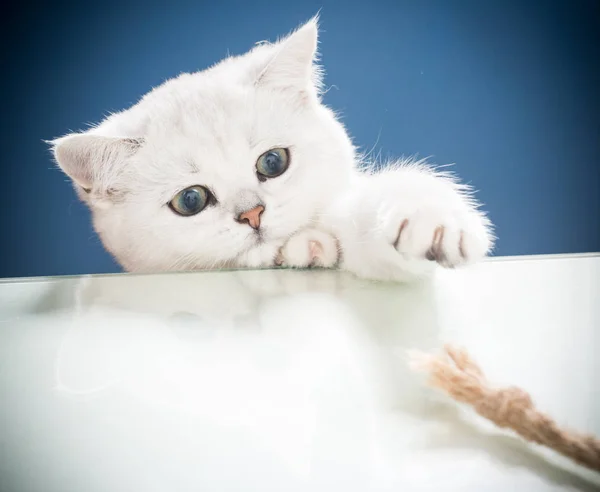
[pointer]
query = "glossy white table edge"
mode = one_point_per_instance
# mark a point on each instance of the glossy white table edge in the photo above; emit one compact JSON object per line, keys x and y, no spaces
{"x":491,"y":259}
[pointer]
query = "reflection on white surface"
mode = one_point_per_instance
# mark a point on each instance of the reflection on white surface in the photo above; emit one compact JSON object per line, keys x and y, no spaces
{"x":288,"y":380}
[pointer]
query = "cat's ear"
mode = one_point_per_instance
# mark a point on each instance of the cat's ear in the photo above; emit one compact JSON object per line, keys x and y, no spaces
{"x":92,"y":160}
{"x":293,"y":63}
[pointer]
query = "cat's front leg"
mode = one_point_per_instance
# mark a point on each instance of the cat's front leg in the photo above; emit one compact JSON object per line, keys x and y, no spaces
{"x":432,"y":217}
{"x":309,"y":248}
{"x":397,"y":224}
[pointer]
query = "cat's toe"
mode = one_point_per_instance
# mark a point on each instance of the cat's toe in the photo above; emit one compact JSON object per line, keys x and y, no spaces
{"x":476,"y":239}
{"x":315,"y":251}
{"x":444,"y":248}
{"x":310,"y":248}
{"x":449,"y":239}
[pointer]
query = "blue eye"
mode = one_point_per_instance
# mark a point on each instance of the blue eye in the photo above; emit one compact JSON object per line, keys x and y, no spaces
{"x":272,"y":163}
{"x":190,"y":201}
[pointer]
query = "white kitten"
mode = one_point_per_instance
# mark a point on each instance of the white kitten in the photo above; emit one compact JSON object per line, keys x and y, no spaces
{"x":241,"y":165}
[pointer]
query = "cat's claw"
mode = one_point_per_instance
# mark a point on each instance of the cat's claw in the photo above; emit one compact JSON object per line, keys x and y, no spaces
{"x":309,"y":248}
{"x":450,"y":238}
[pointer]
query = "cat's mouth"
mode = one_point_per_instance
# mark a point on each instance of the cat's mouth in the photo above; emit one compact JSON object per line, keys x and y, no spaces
{"x":256,"y":238}
{"x":259,"y":238}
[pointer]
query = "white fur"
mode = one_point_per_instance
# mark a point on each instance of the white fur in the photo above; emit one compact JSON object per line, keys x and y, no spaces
{"x":210,"y":127}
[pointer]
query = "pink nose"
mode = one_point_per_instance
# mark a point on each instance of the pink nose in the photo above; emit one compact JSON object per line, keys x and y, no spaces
{"x":251,"y":217}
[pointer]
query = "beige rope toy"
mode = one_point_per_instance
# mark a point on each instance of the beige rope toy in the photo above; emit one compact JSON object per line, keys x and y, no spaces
{"x":457,"y":375}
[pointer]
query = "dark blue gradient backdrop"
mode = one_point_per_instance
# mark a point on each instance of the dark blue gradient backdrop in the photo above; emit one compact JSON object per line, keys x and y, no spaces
{"x":507,"y":90}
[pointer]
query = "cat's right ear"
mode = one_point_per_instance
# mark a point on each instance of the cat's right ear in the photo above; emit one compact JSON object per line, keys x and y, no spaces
{"x":293,"y":61}
{"x":91,"y":161}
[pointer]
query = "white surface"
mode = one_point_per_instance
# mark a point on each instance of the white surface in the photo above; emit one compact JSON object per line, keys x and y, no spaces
{"x":288,"y":381}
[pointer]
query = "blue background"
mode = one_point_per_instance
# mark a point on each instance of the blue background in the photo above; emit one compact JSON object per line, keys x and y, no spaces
{"x":507,"y":90}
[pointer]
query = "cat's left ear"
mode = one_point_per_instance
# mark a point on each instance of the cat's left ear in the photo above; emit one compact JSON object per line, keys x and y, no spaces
{"x":93,"y":161}
{"x":293,"y":64}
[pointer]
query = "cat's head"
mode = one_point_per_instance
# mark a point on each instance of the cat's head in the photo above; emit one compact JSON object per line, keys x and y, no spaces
{"x":209,"y":165}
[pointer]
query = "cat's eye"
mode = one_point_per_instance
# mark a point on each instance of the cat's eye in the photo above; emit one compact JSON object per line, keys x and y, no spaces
{"x":190,"y":201}
{"x":272,"y":163}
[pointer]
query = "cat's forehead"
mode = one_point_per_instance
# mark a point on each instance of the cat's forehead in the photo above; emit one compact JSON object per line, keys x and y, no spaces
{"x":211,"y":115}
{"x":198,"y":106}
{"x":195,"y":124}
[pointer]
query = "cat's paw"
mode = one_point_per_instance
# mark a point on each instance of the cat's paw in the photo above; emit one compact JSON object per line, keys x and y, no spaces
{"x":450,"y":237}
{"x":309,"y":248}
